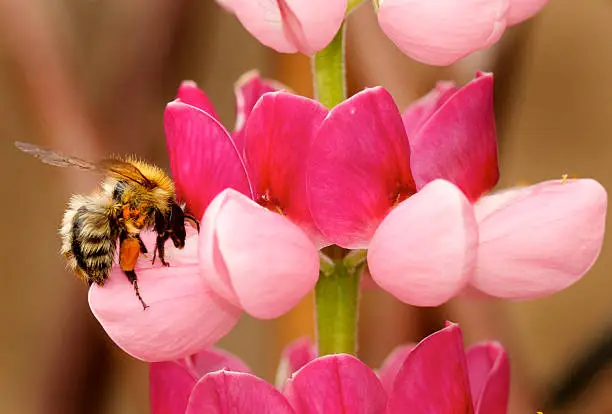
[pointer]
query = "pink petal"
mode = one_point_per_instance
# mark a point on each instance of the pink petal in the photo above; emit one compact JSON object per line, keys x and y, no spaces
{"x":184,"y":315}
{"x":336,"y":384}
{"x":203,"y":158}
{"x":190,"y":94}
{"x":442,"y":32}
{"x":224,"y":392}
{"x":295,"y":356}
{"x":359,"y":166}
{"x":537,"y":240}
{"x":434,"y":377}
{"x":489,"y":373}
{"x":458,"y":143}
{"x":249,"y":88}
{"x":392,"y":365}
{"x":290,"y":26}
{"x":425,"y":250}
{"x":259,"y":257}
{"x":170,"y":386}
{"x":211,"y":360}
{"x":279,"y":135}
{"x":171,"y":382}
{"x":523,"y":9}
{"x":420,"y":111}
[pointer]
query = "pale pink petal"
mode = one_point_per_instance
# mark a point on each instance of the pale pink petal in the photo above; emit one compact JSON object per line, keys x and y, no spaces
{"x":171,"y":382}
{"x":203,"y":158}
{"x":184,"y":315}
{"x":224,"y":392}
{"x":278,"y":137}
{"x":258,"y":256}
{"x":336,"y":384}
{"x":248,"y":89}
{"x":392,"y":364}
{"x":523,"y":9}
{"x":359,"y":166}
{"x":211,"y":360}
{"x":434,"y":377}
{"x":421,"y":110}
{"x":295,"y":356}
{"x":425,"y":250}
{"x":537,"y":240}
{"x":189,"y":93}
{"x":458,"y":142}
{"x":489,"y":373}
{"x":170,"y":386}
{"x":290,"y":26}
{"x":443,"y":31}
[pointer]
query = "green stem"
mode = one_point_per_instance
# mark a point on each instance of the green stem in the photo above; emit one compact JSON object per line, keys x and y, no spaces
{"x":337,"y":298}
{"x":337,"y":291}
{"x":329,"y":72}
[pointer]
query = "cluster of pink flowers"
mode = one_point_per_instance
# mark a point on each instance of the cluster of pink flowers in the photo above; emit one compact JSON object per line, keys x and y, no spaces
{"x":435,"y":376}
{"x":437,"y":32}
{"x":295,"y":177}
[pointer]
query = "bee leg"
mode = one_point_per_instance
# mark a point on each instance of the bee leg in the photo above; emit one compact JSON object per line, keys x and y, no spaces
{"x":160,"y":247}
{"x":143,"y":248}
{"x":131,"y":275}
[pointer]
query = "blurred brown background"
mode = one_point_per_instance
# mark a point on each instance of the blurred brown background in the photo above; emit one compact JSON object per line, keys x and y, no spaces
{"x":93,"y":77}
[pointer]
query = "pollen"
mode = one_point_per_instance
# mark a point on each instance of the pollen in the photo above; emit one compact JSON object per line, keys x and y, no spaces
{"x":564,"y":178}
{"x":270,"y":203}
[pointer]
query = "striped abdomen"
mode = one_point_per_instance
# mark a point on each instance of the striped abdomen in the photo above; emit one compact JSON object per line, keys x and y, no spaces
{"x":89,"y":237}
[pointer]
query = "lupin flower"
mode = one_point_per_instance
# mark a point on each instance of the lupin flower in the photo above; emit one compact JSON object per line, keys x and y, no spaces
{"x":185,"y":315}
{"x":436,"y":375}
{"x":413,"y":195}
{"x":257,"y":242}
{"x":437,"y":32}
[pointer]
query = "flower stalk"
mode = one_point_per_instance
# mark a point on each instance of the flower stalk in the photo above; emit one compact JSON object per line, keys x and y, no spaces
{"x":337,"y":299}
{"x":329,"y":72}
{"x":337,"y":290}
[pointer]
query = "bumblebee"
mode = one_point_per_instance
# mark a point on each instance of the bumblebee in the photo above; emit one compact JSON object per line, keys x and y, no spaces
{"x":134,"y":196}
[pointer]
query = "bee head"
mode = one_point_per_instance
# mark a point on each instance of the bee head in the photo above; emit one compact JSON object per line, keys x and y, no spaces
{"x":176,"y":226}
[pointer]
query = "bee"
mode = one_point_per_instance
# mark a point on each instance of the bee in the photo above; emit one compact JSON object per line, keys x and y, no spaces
{"x":134,"y":196}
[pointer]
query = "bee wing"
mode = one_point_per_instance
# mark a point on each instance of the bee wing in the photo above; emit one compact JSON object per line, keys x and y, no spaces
{"x":118,"y":168}
{"x":53,"y":157}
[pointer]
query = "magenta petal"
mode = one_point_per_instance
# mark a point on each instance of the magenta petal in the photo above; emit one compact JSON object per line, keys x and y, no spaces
{"x":537,"y":240}
{"x":171,"y":382}
{"x":295,"y":356}
{"x":203,"y":158}
{"x":170,"y":386}
{"x":278,"y":137}
{"x":424,"y":251}
{"x":420,"y":111}
{"x":458,"y":143}
{"x":336,"y":384}
{"x":392,"y":365}
{"x":189,"y":93}
{"x":248,"y":89}
{"x":184,"y":315}
{"x":489,"y":373}
{"x":256,"y":257}
{"x":434,"y":377}
{"x":359,"y":164}
{"x":224,"y":392}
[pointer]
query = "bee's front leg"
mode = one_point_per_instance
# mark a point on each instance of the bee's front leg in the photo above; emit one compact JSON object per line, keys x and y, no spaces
{"x":160,"y":247}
